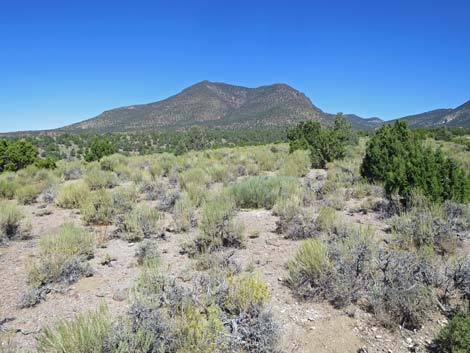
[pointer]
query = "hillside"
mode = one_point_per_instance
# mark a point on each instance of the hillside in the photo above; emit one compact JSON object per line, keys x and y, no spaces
{"x":458,"y":117}
{"x":210,"y":104}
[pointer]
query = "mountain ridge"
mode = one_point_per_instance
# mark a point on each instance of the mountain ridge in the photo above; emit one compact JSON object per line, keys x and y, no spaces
{"x":218,"y":105}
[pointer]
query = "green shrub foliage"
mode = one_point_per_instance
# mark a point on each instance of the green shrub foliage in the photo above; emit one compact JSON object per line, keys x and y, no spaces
{"x":18,"y":154}
{"x":455,"y":336}
{"x":98,"y":149}
{"x":325,"y":145}
{"x":396,"y":157}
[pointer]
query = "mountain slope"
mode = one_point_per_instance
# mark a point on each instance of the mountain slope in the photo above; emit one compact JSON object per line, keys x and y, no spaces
{"x":215,"y":105}
{"x":359,"y":123}
{"x":458,"y":117}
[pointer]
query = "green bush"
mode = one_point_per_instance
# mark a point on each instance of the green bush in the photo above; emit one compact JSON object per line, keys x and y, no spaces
{"x":455,"y":336}
{"x":72,"y":195}
{"x":15,"y":155}
{"x":396,"y":157}
{"x":99,"y":148}
{"x":324,"y":145}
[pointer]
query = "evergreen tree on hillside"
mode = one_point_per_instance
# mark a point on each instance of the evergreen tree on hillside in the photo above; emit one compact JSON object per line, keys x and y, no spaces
{"x":98,"y":149}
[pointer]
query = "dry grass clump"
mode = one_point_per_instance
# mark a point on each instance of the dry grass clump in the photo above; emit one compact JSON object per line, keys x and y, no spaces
{"x":297,"y":164}
{"x":184,"y":217}
{"x":98,"y":208}
{"x":142,"y":222}
{"x":99,"y":179}
{"x":217,"y":226}
{"x":256,"y":192}
{"x":72,"y":195}
{"x":13,"y":222}
{"x":28,"y":194}
{"x":86,"y":333}
{"x":8,"y":186}
{"x":434,"y":226}
{"x":62,"y":259}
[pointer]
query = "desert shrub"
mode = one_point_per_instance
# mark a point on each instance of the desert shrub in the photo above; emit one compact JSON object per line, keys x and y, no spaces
{"x":72,"y":195}
{"x":147,"y":251}
{"x":85,"y":334}
{"x":27,"y":194}
{"x":256,"y":332}
{"x":197,"y":192}
{"x":99,"y":179}
{"x":193,"y":175}
{"x":255,"y":192}
{"x":288,"y":207}
{"x":111,"y":162}
{"x":353,"y":268}
{"x":98,"y":208}
{"x":8,"y":188}
{"x":297,"y":164}
{"x":266,"y":160}
{"x":219,"y":173}
{"x":124,"y":199}
{"x":402,"y":294}
{"x":72,"y":171}
{"x":331,"y":222}
{"x":142,"y":222}
{"x":161,"y":192}
{"x":184,"y":217}
{"x":335,"y":200}
{"x":49,"y":194}
{"x":201,"y":331}
{"x":62,"y":257}
{"x":455,"y":336}
{"x":218,"y":229}
{"x":299,"y":226}
{"x":426,"y":224}
{"x":310,"y":268}
{"x":245,"y":292}
{"x":11,"y":218}
{"x":396,"y":157}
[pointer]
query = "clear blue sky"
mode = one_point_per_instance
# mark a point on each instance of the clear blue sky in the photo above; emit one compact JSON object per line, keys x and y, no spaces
{"x":65,"y":61}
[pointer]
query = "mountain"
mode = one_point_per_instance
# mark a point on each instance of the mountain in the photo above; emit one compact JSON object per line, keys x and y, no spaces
{"x":359,"y":123}
{"x":215,"y":105}
{"x":458,"y":117}
{"x":212,"y":105}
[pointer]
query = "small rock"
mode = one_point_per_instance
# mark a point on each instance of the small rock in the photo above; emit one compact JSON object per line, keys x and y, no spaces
{"x":378,"y":337}
{"x":121,"y":294}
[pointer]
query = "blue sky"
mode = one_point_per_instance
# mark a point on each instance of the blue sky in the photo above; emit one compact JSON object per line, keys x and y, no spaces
{"x":66,"y":61}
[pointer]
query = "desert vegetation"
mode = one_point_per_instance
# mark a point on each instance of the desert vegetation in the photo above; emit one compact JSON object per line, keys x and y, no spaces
{"x":210,"y":249}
